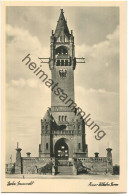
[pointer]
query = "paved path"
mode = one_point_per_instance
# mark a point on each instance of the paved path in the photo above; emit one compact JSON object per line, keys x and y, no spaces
{"x":89,"y":177}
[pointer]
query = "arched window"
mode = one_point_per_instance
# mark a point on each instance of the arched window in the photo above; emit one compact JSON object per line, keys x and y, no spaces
{"x":65,"y":118}
{"x":78,"y":145}
{"x":59,"y":118}
{"x":62,"y":50}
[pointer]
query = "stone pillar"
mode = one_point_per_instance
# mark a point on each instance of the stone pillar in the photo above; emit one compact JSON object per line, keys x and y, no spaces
{"x":18,"y":166}
{"x":53,"y":168}
{"x":74,"y":170}
{"x":28,"y":154}
{"x":109,"y":161}
{"x":96,"y":154}
{"x":109,"y":154}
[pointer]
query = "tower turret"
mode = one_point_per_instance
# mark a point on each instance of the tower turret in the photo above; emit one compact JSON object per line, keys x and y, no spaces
{"x":109,"y":161}
{"x":62,"y":45}
{"x":18,"y":160}
{"x":44,"y":147}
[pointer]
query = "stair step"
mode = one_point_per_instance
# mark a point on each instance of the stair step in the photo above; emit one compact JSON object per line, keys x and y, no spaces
{"x":65,"y":170}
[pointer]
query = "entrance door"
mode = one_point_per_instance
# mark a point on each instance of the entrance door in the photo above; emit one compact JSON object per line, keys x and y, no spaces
{"x":61,"y":150}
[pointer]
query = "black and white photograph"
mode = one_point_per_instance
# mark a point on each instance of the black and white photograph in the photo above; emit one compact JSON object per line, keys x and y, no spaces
{"x":62,"y":96}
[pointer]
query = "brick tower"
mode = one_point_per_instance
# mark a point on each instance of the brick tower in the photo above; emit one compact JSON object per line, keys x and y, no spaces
{"x":62,"y":130}
{"x":63,"y":148}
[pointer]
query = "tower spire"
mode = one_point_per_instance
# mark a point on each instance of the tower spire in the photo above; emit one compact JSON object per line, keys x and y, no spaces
{"x":61,"y":25}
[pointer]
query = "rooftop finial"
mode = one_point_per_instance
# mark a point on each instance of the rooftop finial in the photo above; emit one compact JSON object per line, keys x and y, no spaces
{"x":61,"y":10}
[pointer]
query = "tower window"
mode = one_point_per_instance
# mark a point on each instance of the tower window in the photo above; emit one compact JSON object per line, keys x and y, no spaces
{"x":79,"y":145}
{"x":66,"y":62}
{"x":46,"y":146}
{"x":58,"y":63}
{"x":62,"y":118}
{"x":61,"y":50}
{"x":62,"y":62}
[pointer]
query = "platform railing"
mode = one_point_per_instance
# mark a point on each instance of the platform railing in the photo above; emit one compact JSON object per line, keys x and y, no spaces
{"x":65,"y":132}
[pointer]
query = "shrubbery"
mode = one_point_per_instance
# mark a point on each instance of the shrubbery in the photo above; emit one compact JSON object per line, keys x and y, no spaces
{"x":47,"y":169}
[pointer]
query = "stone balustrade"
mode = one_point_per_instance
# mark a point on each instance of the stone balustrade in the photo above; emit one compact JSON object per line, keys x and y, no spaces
{"x":66,"y":132}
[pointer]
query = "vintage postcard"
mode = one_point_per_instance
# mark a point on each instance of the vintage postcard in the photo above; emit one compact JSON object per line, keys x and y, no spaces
{"x":63,"y":96}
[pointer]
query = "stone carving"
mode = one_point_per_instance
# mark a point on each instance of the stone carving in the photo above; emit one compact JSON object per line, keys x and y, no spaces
{"x":62,"y":73}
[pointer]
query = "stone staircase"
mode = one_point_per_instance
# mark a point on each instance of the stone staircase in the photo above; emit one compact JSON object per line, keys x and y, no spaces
{"x":65,"y":170}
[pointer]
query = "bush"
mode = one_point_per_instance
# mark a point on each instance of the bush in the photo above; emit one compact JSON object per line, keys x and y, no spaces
{"x":46,"y":169}
{"x":80,"y":168}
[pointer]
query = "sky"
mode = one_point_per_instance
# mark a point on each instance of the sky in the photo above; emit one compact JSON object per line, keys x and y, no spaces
{"x":96,"y":32}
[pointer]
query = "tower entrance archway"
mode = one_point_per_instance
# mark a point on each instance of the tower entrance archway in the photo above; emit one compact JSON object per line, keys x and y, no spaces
{"x":62,"y":149}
